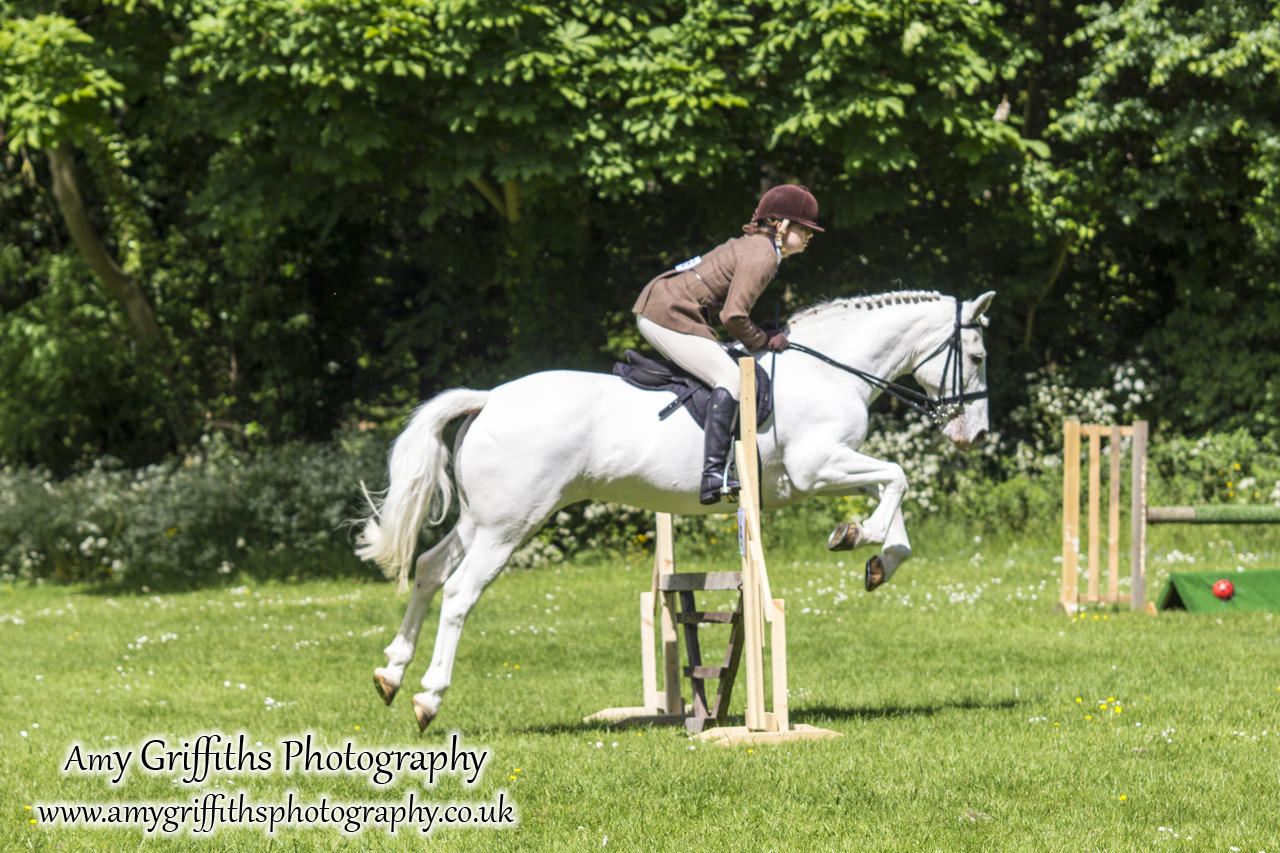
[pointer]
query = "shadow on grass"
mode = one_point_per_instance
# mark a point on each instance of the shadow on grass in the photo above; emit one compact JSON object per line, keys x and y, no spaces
{"x":825,"y":713}
{"x":812,"y":716}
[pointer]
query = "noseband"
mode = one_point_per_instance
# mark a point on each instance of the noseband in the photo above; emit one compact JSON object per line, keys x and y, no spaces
{"x":936,"y":408}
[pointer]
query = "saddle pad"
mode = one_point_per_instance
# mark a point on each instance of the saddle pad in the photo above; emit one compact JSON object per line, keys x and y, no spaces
{"x":651,"y":374}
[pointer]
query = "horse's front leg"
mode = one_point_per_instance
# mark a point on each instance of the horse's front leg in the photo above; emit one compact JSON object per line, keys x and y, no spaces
{"x":845,"y":471}
{"x":896,"y":551}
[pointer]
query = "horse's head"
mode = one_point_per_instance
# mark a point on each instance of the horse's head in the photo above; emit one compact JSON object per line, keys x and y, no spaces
{"x":954,"y":373}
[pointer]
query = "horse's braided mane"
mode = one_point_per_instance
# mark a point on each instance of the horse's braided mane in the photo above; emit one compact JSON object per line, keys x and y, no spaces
{"x":867,"y":303}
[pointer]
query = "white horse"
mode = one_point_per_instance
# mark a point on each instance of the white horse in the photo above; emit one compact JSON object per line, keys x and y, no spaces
{"x":536,"y":444}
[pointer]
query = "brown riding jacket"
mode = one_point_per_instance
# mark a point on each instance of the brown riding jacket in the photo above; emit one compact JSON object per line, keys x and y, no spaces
{"x":723,"y":283}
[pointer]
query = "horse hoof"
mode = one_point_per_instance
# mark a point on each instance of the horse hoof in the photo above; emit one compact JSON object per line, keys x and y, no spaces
{"x":846,"y":537}
{"x":424,"y":716}
{"x":386,"y":689}
{"x":875,"y":574}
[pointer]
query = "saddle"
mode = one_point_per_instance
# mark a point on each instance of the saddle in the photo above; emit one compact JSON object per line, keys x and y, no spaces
{"x":652,"y":374}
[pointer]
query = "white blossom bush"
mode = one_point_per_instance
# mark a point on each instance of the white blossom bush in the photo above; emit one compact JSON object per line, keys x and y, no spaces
{"x":1036,"y":426}
{"x":1218,"y":468}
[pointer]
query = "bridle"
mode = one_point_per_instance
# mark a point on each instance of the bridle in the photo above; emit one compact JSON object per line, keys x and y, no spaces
{"x":937,"y":408}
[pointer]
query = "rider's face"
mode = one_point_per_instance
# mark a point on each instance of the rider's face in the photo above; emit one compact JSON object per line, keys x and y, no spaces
{"x":795,"y":238}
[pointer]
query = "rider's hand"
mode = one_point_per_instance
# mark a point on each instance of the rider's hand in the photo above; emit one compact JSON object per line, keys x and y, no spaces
{"x":777,"y":342}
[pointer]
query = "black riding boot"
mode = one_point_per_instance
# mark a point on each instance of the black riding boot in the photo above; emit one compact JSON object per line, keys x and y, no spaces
{"x":717,"y":448}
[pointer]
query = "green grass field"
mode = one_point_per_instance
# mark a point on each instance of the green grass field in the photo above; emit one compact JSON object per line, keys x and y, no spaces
{"x":973,"y":717}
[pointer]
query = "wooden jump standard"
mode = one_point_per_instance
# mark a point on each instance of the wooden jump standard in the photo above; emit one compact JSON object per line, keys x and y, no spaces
{"x":756,"y":605}
{"x":1070,"y":600}
{"x":1140,"y":515}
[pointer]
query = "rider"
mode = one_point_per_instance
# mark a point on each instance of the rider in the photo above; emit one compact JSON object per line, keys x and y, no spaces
{"x":675,"y":313}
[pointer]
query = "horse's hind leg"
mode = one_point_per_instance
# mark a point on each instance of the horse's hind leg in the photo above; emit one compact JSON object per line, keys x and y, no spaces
{"x":484,"y":561}
{"x":431,"y":571}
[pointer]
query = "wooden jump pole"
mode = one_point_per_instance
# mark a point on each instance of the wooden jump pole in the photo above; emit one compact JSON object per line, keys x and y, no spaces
{"x":665,"y":705}
{"x":758,"y":603}
{"x":1211,"y":514}
{"x":1138,"y":520}
{"x":1073,"y":432}
{"x":748,"y":527}
{"x":758,"y":608}
{"x":1070,"y":516}
{"x":669,"y":700}
{"x":1140,"y":515}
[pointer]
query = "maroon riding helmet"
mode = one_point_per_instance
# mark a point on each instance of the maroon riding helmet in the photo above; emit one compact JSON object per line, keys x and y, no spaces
{"x":789,"y":201}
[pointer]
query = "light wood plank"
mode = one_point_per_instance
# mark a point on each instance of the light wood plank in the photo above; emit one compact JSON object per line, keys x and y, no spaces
{"x":752,"y":615}
{"x":648,"y":662}
{"x":700,"y":581}
{"x":1138,"y":520}
{"x":744,"y":736}
{"x":779,"y":659}
{"x":1113,"y":517}
{"x":1095,"y":500}
{"x":664,"y":564}
{"x":1070,"y":515}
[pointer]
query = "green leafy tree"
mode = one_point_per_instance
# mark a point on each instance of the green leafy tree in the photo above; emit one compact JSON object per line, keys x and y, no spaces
{"x":59,"y":100}
{"x":329,"y":205}
{"x":1166,"y":180}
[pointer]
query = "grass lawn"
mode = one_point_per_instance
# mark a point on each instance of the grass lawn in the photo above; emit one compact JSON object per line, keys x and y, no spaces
{"x":973,"y":717}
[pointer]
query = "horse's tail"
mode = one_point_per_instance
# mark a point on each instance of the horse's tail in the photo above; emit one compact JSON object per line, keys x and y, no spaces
{"x":419,"y":483}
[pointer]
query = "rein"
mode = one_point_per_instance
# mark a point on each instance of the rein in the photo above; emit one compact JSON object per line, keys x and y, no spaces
{"x":952,"y":370}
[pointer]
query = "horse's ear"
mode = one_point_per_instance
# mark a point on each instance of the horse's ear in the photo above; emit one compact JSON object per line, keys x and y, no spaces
{"x":976,"y":308}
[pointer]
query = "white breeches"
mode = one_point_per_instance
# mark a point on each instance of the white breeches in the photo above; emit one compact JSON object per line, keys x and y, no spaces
{"x":702,"y":357}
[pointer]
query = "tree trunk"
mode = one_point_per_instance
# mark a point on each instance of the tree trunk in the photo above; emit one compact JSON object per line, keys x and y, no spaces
{"x":118,"y":284}
{"x":1044,"y":294}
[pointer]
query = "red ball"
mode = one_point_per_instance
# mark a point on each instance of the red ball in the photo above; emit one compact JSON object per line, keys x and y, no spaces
{"x":1224,"y":589}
